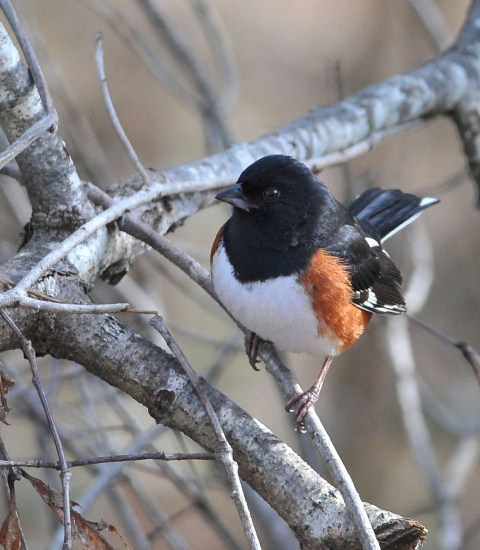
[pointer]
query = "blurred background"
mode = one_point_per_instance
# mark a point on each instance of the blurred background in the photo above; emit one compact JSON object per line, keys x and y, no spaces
{"x":266,"y":63}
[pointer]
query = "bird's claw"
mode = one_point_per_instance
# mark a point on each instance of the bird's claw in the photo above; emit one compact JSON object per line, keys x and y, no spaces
{"x":252,"y":341}
{"x":300,"y":404}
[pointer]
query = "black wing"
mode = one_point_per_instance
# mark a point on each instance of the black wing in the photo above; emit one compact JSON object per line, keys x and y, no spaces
{"x":375,"y":279}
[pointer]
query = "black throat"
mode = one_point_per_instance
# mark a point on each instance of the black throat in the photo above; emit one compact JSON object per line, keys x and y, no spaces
{"x":253,"y":261}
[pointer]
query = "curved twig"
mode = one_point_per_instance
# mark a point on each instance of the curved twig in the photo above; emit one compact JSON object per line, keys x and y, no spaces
{"x":225,"y":453}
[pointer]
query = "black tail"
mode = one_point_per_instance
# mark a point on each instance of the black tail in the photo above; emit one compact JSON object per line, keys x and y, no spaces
{"x":383,"y":212}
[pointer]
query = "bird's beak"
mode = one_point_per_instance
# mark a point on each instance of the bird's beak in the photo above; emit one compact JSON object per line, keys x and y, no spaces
{"x":234,"y":196}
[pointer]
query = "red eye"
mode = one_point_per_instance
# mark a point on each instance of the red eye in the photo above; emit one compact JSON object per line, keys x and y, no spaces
{"x":271,"y":194}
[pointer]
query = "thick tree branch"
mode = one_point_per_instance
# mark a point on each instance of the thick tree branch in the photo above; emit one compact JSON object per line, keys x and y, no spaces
{"x":55,"y":190}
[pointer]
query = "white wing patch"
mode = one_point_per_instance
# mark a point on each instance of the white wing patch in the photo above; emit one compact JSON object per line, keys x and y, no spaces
{"x":372,"y":243}
{"x":371,"y":304}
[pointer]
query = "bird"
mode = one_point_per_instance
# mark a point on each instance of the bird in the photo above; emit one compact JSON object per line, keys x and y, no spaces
{"x":301,"y":270}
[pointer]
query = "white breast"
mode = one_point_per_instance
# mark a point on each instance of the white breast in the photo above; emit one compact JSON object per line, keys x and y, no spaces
{"x":277,"y":309}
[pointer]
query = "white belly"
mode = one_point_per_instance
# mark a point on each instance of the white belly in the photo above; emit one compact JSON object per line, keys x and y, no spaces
{"x":277,"y":309}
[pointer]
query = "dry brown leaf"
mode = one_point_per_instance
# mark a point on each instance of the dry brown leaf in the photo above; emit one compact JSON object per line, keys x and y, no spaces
{"x":6,"y":382}
{"x":90,"y":532}
{"x":87,"y":532}
{"x":10,"y":536}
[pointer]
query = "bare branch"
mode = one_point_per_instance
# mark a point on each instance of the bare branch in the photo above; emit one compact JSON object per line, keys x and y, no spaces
{"x":54,"y":188}
{"x":224,"y":450}
{"x":221,"y":48}
{"x":326,"y":449}
{"x":121,"y":25}
{"x":30,"y":56}
{"x":85,"y":231}
{"x":470,"y":354}
{"x":45,"y":302}
{"x":47,"y":123}
{"x":113,"y":115}
{"x":218,"y":134}
{"x":65,"y":474}
{"x":107,"y":459}
{"x":97,"y":309}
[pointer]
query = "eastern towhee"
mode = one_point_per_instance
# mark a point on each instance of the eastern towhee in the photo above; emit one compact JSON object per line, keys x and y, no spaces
{"x":303,"y":271}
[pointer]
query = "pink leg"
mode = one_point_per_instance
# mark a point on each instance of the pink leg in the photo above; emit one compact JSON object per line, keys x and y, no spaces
{"x":303,"y":401}
{"x":252,"y":341}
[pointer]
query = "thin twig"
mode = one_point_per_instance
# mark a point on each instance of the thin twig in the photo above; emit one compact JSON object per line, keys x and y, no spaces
{"x":402,"y":358}
{"x":97,"y":309}
{"x":470,"y":354}
{"x":30,"y":56}
{"x":48,"y":122}
{"x":159,"y":518}
{"x":120,"y":23}
{"x":198,"y":499}
{"x":113,"y":115}
{"x":325,"y":447}
{"x":225,"y":453}
{"x":44,"y":302}
{"x":221,"y":47}
{"x":160,"y":455}
{"x":64,"y":474}
{"x":218,"y":134}
{"x":399,"y":346}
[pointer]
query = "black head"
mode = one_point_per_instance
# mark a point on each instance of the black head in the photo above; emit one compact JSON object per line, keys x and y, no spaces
{"x":277,"y":200}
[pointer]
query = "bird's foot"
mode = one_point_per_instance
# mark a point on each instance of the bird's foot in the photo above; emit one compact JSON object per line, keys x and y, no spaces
{"x":252,"y":341}
{"x":304,"y":401}
{"x":300,"y":405}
